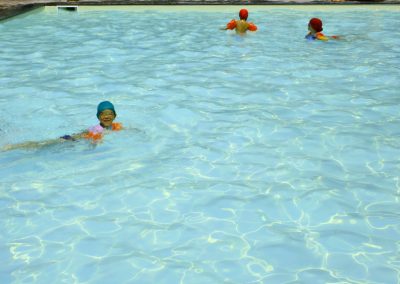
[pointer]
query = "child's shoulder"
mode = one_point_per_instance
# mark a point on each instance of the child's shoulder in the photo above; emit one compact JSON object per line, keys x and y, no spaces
{"x":96,"y":128}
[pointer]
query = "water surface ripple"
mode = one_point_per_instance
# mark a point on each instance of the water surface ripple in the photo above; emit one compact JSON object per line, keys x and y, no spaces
{"x":262,"y":158}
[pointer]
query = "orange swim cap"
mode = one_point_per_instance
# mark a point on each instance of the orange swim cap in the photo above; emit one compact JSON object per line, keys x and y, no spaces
{"x":316,"y":24}
{"x":243,"y":14}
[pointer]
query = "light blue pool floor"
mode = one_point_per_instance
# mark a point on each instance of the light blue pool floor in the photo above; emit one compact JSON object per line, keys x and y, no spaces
{"x":256,"y":159}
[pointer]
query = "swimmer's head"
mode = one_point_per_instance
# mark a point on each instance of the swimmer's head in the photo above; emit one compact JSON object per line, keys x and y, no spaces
{"x":106,"y":114}
{"x":106,"y":105}
{"x":315,"y":24}
{"x":243,"y":14}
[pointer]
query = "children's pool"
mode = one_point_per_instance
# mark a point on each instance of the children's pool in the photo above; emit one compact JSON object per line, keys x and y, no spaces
{"x":262,"y":158}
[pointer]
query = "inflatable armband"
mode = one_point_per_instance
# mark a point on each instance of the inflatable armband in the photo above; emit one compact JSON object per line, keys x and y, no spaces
{"x":252,"y":27}
{"x":93,"y":136}
{"x":231,"y":25}
{"x":320,"y":36}
{"x":95,"y":133}
{"x":116,"y":126}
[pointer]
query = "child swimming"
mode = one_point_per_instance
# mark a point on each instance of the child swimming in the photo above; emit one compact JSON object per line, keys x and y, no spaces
{"x":106,"y":115}
{"x":315,"y":31}
{"x":241,"y":26}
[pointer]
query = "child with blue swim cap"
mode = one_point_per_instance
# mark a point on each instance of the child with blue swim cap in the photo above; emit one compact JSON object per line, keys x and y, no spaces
{"x":106,"y":115}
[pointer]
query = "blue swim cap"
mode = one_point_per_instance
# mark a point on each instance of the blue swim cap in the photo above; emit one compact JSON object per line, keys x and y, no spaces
{"x":103,"y":106}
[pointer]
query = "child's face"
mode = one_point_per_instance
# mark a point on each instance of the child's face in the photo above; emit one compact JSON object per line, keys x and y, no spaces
{"x":107,"y":117}
{"x":310,"y":29}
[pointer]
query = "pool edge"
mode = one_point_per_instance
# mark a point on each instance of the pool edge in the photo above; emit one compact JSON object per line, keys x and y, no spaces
{"x":9,"y":12}
{"x":12,"y":10}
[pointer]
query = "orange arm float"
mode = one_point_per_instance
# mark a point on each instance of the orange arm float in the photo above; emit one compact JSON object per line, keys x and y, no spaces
{"x":93,"y":136}
{"x":116,"y":126}
{"x":231,"y":25}
{"x":321,"y":36}
{"x":252,"y":27}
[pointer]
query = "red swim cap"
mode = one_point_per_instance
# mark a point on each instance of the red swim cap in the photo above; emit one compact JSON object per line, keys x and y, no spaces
{"x":316,"y":24}
{"x":243,"y":14}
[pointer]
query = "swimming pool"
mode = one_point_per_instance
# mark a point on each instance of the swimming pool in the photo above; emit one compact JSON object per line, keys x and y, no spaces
{"x":262,"y":158}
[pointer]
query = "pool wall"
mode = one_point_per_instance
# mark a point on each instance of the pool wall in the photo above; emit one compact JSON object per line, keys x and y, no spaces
{"x":10,"y":8}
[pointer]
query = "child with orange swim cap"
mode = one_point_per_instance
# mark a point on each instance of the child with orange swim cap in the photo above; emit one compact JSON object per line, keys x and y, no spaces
{"x":315,"y":31}
{"x":241,"y":26}
{"x":106,"y":115}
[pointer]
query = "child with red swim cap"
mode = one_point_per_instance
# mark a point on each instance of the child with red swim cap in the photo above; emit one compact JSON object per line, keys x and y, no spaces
{"x":241,"y":26}
{"x":315,"y":31}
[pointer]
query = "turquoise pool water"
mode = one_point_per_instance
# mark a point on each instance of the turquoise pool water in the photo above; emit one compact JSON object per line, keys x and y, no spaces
{"x":263,"y":158}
